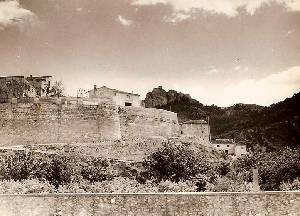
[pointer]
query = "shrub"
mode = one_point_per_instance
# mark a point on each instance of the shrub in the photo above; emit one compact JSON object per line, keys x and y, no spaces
{"x":181,"y":186}
{"x":57,"y":169}
{"x":175,"y":163}
{"x":290,"y":186}
{"x":25,"y":187}
{"x":226,"y":184}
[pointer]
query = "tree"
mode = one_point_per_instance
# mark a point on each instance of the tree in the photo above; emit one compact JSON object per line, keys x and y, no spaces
{"x":175,"y":163}
{"x":57,"y":90}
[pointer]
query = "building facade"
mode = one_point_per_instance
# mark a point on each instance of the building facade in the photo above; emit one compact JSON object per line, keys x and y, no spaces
{"x":117,"y":97}
{"x":18,"y":87}
{"x":196,"y":128}
{"x":229,"y":147}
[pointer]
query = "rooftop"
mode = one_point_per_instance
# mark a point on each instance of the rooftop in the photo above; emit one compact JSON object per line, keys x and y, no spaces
{"x":116,"y":90}
{"x":223,"y":141}
{"x":199,"y":121}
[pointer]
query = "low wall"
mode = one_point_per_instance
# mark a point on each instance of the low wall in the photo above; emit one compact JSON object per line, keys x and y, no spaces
{"x":267,"y":203}
{"x":147,"y":122}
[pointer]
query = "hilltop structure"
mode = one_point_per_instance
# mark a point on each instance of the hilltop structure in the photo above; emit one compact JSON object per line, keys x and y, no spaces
{"x":107,"y":114}
{"x":19,"y":87}
{"x":119,"y":98}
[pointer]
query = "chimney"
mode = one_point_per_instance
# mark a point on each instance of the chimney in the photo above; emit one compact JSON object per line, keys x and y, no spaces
{"x":160,"y":87}
{"x":95,"y":88}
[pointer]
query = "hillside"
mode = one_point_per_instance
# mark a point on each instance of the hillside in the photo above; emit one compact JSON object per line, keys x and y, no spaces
{"x":274,"y":127}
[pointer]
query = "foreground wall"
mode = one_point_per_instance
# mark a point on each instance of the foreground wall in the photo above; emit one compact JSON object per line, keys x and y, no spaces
{"x":279,"y":203}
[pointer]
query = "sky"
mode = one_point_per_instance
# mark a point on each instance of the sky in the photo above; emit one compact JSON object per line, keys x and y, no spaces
{"x":220,"y":52}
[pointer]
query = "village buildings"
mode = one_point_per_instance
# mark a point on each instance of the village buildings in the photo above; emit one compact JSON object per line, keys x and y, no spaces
{"x":229,"y":146}
{"x":119,"y":98}
{"x":18,"y":87}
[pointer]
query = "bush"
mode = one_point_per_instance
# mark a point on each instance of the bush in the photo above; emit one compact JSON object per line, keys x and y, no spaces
{"x":175,"y":163}
{"x":290,"y":186}
{"x":226,"y":184}
{"x":57,"y":169}
{"x":25,"y":187}
{"x":181,"y":186}
{"x":116,"y":185}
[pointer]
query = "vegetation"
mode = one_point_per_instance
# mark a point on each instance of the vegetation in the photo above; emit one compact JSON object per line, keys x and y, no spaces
{"x":172,"y":168}
{"x":274,"y":127}
{"x":57,"y":90}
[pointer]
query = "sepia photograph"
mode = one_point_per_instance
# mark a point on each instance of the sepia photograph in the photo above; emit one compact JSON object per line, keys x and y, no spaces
{"x":149,"y":107}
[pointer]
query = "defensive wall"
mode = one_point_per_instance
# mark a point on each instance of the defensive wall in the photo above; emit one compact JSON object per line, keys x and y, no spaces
{"x":29,"y":123}
{"x":146,"y":122}
{"x":264,"y":203}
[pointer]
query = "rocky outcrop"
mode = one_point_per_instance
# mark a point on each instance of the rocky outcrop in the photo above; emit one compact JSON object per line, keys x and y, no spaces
{"x":159,"y":97}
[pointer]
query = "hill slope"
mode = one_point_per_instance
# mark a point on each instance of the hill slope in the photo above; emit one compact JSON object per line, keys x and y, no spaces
{"x":274,"y":127}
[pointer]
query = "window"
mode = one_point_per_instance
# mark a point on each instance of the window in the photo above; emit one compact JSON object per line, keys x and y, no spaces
{"x":218,"y":145}
{"x":128,"y":104}
{"x":226,"y":151}
{"x":128,"y":96}
{"x":202,"y":131}
{"x":227,"y":145}
{"x":115,"y":94}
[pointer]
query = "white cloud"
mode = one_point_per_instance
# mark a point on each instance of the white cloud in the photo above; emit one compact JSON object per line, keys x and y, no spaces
{"x":177,"y":17}
{"x":11,"y":13}
{"x":124,"y":21}
{"x":266,"y":91}
{"x":228,"y":7}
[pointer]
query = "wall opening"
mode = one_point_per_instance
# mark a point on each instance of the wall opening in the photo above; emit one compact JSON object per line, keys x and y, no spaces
{"x":128,"y":104}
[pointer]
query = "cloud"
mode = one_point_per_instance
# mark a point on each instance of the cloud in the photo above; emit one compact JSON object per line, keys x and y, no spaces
{"x":266,"y":91}
{"x":177,"y":17}
{"x":124,"y":21}
{"x":228,"y":7}
{"x":11,"y":13}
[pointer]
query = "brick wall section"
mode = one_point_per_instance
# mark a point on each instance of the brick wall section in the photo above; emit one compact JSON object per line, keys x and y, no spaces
{"x":141,"y":122}
{"x":267,"y":203}
{"x":52,"y":123}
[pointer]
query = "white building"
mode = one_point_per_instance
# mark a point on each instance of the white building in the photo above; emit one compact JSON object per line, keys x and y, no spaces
{"x":118,"y":97}
{"x":229,"y":147}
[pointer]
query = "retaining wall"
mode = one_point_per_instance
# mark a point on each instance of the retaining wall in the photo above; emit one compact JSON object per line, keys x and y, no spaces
{"x":267,"y":203}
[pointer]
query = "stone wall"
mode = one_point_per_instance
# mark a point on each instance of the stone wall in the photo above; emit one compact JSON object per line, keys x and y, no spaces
{"x":53,"y":123}
{"x":147,"y":122}
{"x":71,"y":123}
{"x":195,"y":130}
{"x":267,"y":203}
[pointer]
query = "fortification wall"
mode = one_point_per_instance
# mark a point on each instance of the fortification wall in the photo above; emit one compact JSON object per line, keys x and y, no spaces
{"x":70,"y":123}
{"x":51,"y":123}
{"x":267,"y":203}
{"x":139,"y":122}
